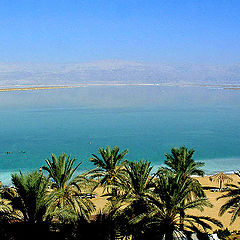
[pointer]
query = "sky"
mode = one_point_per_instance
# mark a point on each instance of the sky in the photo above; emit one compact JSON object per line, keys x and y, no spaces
{"x":164,"y":31}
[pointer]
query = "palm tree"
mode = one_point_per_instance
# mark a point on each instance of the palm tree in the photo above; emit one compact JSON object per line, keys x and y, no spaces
{"x":135,"y":188}
{"x":139,"y":179}
{"x":6,"y":210}
{"x":28,"y":205}
{"x":109,"y":167}
{"x":66,"y":200}
{"x":61,"y":169}
{"x":233,"y":204}
{"x":30,"y":199}
{"x":180,"y":160}
{"x":136,"y":184}
{"x":5,"y":206}
{"x":167,"y":205}
{"x":7,"y":215}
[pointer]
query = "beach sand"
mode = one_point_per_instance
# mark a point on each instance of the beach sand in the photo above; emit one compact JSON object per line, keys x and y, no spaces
{"x":210,"y":212}
{"x":212,"y":196}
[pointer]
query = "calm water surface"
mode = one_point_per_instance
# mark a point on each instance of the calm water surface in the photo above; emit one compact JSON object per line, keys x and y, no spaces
{"x":146,"y":120}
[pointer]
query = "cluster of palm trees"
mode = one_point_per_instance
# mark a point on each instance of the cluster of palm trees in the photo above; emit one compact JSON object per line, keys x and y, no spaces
{"x":140,"y":204}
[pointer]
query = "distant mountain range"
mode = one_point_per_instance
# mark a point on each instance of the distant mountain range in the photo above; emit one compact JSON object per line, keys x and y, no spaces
{"x":115,"y":71}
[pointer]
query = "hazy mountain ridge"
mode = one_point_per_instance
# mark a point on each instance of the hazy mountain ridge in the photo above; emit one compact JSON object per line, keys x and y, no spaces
{"x":116,"y":72}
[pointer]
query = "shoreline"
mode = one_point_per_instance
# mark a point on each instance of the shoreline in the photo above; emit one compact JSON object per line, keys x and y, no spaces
{"x":5,"y":175}
{"x":9,"y":88}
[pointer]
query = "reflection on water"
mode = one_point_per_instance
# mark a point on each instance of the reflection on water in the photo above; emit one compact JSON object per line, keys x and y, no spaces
{"x":119,"y":97}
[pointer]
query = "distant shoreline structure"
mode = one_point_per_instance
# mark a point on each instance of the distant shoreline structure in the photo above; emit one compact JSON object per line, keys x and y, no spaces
{"x":8,"y":88}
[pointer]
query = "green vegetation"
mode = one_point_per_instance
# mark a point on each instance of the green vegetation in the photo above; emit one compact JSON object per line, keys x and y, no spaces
{"x":60,"y":169}
{"x":180,"y":160}
{"x":139,"y":205}
{"x":109,"y":167}
{"x":31,"y":196}
{"x":65,"y":201}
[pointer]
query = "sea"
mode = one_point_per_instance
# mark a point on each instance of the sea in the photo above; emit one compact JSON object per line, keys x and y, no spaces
{"x":146,"y":120}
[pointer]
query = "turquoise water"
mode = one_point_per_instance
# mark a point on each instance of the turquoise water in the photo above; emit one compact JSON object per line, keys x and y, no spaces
{"x":146,"y":120}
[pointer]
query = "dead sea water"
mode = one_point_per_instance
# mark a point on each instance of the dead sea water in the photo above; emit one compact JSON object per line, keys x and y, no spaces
{"x":148,"y":120}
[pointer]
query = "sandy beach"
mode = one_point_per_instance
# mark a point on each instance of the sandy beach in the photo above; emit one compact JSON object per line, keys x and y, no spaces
{"x":212,"y":196}
{"x":210,"y":212}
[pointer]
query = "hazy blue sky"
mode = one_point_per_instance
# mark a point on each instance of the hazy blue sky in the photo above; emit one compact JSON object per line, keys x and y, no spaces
{"x":202,"y":31}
